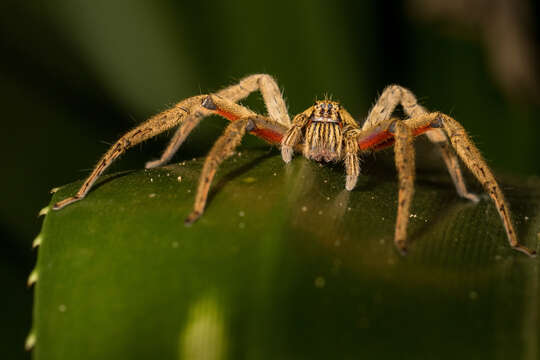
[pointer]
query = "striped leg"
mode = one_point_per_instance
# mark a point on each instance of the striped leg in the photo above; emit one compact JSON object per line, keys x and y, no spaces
{"x":150,"y":128}
{"x":404,"y":153}
{"x":275,"y":105}
{"x":394,"y":95}
{"x":222,"y":149}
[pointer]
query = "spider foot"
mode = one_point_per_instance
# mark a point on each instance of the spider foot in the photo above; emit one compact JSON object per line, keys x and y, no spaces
{"x":401,"y":245}
{"x":66,"y":202}
{"x":525,"y":250}
{"x":194,"y":216}
{"x":471,"y":196}
{"x":286,"y":153}
{"x":153,"y":164}
{"x":350,"y":182}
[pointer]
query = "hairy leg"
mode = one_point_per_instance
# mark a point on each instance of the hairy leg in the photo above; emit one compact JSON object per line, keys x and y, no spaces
{"x":470,"y":155}
{"x":267,"y":128}
{"x":150,"y":128}
{"x":394,"y":95}
{"x":472,"y":158}
{"x":185,"y":128}
{"x":267,"y":85}
{"x":273,"y":99}
{"x":404,"y":152}
{"x":222,"y":149}
{"x":452,"y":163}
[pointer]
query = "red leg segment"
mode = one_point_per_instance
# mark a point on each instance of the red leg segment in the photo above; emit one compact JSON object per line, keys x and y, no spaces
{"x":265,"y":128}
{"x":382,"y":139}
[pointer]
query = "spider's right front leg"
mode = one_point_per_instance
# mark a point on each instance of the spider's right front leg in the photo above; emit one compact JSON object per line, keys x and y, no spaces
{"x":224,"y":148}
{"x":469,"y":153}
{"x":152,"y":127}
{"x":394,"y":95}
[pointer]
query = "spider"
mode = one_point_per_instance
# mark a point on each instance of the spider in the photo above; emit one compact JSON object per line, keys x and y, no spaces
{"x":325,"y":132}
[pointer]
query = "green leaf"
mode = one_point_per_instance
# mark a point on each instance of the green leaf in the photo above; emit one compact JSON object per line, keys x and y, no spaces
{"x":284,"y":264}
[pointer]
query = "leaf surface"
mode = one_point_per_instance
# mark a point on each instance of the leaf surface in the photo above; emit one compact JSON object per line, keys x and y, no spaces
{"x":284,"y":264}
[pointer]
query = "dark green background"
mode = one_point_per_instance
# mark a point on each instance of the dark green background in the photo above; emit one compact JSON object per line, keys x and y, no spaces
{"x":76,"y":74}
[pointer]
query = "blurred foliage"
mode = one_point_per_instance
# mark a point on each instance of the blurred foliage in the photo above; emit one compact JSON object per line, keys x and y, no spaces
{"x":75,"y":75}
{"x":283,"y":264}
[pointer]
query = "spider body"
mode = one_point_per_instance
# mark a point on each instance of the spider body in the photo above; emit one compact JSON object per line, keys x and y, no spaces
{"x":324,"y":132}
{"x":323,"y":136}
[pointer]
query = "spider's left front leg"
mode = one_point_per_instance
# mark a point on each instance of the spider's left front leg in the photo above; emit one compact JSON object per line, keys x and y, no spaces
{"x":222,"y":149}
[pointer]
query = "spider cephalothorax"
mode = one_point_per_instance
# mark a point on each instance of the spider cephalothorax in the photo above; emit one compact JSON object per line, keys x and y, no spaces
{"x":323,"y":132}
{"x":323,"y":136}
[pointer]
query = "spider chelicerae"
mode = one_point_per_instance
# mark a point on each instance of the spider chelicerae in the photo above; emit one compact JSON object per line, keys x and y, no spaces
{"x":324,"y":132}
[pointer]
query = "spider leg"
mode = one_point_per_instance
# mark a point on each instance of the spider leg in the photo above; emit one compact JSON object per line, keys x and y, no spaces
{"x":150,"y":128}
{"x":267,"y":85}
{"x":452,"y":164}
{"x":189,"y":123}
{"x":222,"y":149}
{"x":267,"y":128}
{"x":394,"y":95}
{"x":472,"y":158}
{"x":273,"y":99}
{"x":470,"y":155}
{"x":404,"y":155}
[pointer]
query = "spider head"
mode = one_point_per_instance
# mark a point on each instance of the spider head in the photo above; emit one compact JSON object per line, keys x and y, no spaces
{"x":323,"y":137}
{"x":326,"y":111}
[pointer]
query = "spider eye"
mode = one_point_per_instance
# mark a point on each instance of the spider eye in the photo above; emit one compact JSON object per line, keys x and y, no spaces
{"x":329,"y":107}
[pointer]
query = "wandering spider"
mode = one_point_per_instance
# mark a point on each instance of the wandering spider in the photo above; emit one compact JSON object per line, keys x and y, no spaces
{"x":324,"y":132}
